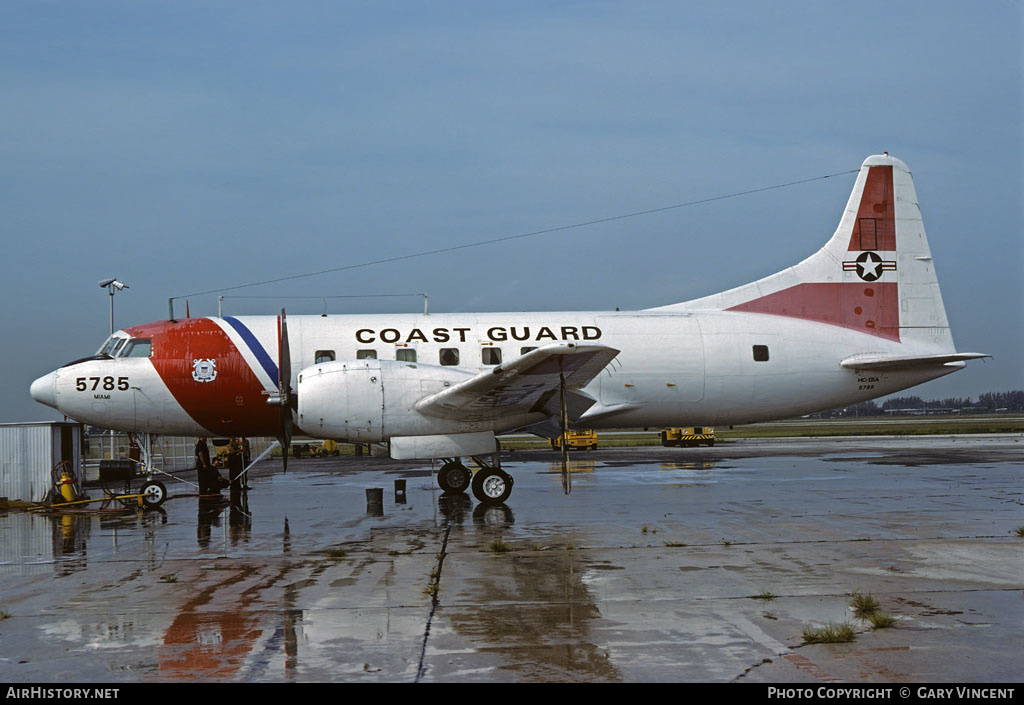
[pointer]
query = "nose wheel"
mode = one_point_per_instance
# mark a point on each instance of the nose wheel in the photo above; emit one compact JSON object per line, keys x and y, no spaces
{"x":153,"y":493}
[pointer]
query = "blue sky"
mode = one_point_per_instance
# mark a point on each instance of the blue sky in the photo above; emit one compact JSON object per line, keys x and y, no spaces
{"x":182,"y":146}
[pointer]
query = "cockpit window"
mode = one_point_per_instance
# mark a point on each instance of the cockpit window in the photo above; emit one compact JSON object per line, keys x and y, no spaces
{"x":137,"y":347}
{"x":111,"y":344}
{"x":118,"y":347}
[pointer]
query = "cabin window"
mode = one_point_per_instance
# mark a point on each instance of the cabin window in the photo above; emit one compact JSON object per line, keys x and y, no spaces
{"x":138,"y":347}
{"x":324,"y":356}
{"x":760,"y":353}
{"x":491,"y":356}
{"x":523,"y":351}
{"x":405,"y":355}
{"x":449,"y":356}
{"x":366,"y":354}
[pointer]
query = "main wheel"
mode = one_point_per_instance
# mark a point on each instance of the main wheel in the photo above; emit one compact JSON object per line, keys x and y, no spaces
{"x":492,"y":486}
{"x":153,"y":493}
{"x":453,"y":478}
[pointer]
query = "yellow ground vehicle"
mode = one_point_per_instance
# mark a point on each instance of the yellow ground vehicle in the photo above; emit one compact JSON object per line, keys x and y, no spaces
{"x":221,"y":450}
{"x":574,"y":440}
{"x":328,"y":447}
{"x":688,"y":436}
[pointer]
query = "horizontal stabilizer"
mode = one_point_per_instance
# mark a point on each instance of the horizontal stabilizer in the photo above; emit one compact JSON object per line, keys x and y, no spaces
{"x":905,"y":362}
{"x":527,"y":384}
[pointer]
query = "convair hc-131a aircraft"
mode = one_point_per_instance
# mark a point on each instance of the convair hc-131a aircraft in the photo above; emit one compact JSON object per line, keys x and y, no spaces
{"x":860,"y":318}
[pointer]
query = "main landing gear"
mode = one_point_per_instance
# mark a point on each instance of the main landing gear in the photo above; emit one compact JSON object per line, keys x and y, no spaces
{"x":491,"y":485}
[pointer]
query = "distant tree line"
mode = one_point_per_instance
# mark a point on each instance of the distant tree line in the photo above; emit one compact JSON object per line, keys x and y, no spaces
{"x":987,"y":403}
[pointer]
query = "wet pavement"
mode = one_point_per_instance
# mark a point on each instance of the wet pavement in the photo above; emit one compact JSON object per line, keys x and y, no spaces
{"x":661,"y":565}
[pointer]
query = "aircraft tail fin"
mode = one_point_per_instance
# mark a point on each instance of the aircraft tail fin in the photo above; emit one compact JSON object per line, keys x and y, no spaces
{"x":875,"y":275}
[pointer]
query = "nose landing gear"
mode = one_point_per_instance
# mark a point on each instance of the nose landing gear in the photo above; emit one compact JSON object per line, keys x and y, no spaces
{"x":153,"y":493}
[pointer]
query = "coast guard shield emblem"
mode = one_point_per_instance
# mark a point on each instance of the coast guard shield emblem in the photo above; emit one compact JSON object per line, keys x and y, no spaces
{"x":204,"y":370}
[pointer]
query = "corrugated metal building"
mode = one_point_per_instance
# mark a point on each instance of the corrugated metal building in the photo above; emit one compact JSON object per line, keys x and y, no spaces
{"x":29,"y":452}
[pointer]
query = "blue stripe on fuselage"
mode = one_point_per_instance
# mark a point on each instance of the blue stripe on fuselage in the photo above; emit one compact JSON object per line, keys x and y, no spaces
{"x":257,"y":349}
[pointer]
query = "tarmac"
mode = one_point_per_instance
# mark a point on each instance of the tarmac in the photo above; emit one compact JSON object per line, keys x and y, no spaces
{"x":660,"y":565}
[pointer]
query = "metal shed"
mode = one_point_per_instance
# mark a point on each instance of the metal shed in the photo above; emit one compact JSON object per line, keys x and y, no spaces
{"x":28,"y":453}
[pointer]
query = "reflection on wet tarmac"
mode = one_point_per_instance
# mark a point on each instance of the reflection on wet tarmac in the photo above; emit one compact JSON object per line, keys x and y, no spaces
{"x":71,"y":534}
{"x":454,"y":507}
{"x":575,"y":467}
{"x":211,"y":512}
{"x":230,"y":640}
{"x":203,"y":645}
{"x":487,"y":515}
{"x":295,"y":581}
{"x":535,"y":619}
{"x":691,"y":465}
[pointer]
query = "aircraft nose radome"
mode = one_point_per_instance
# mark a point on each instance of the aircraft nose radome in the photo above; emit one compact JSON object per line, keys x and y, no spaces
{"x":42,"y":390}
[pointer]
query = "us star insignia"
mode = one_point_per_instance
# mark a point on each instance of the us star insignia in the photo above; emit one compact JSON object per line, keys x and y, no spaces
{"x":869,"y":266}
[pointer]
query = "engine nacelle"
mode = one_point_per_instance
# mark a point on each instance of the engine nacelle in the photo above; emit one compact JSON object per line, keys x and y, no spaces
{"x":363,"y":401}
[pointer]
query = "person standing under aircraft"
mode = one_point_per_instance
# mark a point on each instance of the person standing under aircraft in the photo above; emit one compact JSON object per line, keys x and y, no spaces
{"x":236,"y":462}
{"x":210,"y":481}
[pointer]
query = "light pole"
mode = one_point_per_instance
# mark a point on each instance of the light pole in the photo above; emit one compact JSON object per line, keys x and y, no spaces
{"x":110,"y":285}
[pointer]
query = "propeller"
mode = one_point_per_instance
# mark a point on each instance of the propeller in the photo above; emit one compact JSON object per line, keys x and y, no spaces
{"x":564,"y":427}
{"x":285,"y":398}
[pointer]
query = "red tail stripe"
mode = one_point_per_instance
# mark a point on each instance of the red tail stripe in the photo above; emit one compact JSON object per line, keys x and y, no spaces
{"x":871,"y":308}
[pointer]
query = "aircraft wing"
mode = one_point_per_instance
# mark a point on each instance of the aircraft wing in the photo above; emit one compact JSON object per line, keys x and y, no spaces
{"x":905,"y":362}
{"x":529,"y":383}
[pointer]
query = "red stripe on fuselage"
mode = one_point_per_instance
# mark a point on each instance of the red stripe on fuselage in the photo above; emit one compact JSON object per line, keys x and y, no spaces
{"x":231,"y":404}
{"x":871,"y":308}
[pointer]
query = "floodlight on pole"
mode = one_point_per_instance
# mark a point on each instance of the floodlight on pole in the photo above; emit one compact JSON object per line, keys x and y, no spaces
{"x":111,"y":285}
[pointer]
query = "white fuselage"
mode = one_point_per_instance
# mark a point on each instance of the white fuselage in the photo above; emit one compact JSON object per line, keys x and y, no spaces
{"x":673,"y":369}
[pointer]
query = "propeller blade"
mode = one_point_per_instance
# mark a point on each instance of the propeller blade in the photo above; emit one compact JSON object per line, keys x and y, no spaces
{"x":566,"y":475}
{"x":284,"y":362}
{"x":284,"y":387}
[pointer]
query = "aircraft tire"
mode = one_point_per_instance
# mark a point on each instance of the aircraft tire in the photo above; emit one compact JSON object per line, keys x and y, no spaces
{"x":154,"y":493}
{"x":453,"y":478}
{"x":492,"y":486}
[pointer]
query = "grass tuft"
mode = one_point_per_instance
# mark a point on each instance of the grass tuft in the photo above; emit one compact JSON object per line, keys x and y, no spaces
{"x":1019,"y":531}
{"x":831,"y":633}
{"x":881,"y":620}
{"x":765,"y":595}
{"x":864,"y":605}
{"x":499,"y":546}
{"x":675,"y":544}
